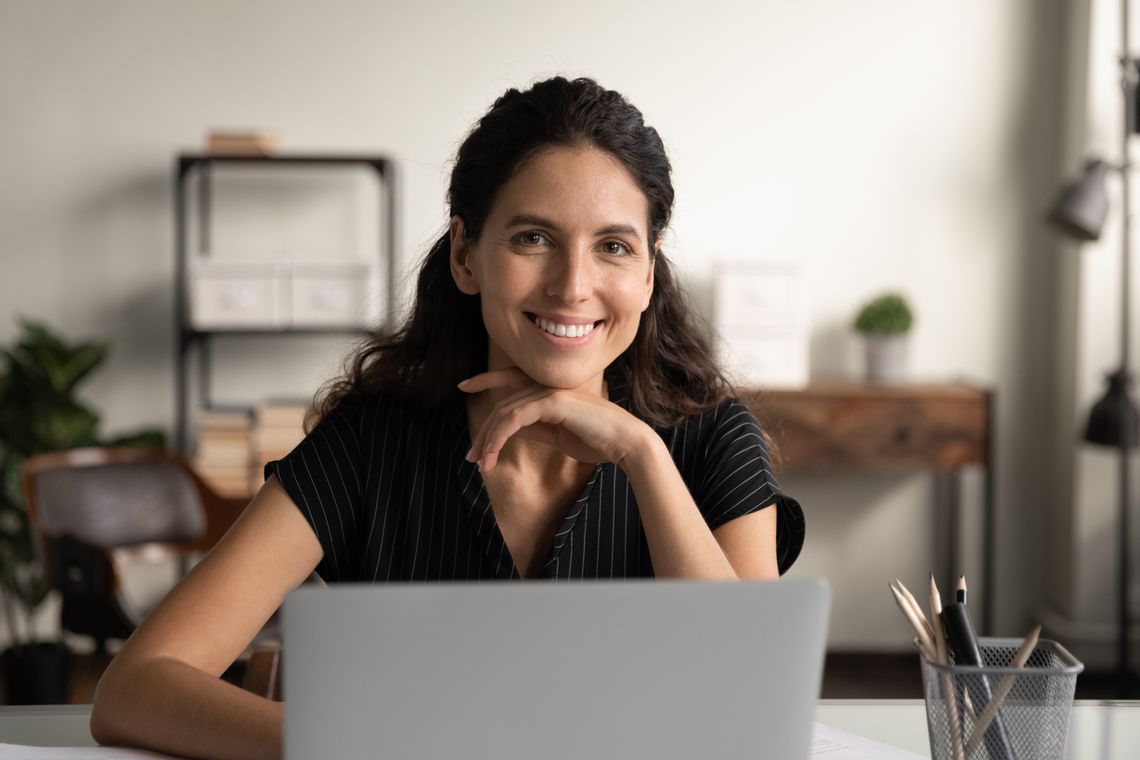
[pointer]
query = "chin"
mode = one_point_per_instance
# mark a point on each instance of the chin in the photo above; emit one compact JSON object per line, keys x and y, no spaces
{"x":552,"y":378}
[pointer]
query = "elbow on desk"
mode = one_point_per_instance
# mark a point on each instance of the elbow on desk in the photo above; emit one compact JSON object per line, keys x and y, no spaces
{"x":100,"y":729}
{"x":102,"y":724}
{"x":112,"y":704}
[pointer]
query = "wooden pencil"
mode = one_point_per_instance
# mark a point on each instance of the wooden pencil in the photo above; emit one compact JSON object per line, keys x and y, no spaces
{"x":926,"y":643}
{"x":1002,"y":690}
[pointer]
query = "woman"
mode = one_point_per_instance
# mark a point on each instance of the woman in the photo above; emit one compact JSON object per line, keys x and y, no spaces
{"x":549,"y":410}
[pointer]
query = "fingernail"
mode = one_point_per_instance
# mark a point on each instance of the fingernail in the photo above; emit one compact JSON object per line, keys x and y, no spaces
{"x":467,"y":456}
{"x":462,"y":383}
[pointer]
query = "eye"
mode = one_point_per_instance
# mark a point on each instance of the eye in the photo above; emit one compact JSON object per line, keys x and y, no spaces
{"x":531,"y":239}
{"x":616,"y":247}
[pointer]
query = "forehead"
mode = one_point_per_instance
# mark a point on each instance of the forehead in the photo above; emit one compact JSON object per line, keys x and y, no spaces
{"x":574,"y":186}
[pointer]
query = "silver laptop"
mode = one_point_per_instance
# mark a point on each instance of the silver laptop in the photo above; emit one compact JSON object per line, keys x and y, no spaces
{"x":630,"y":669}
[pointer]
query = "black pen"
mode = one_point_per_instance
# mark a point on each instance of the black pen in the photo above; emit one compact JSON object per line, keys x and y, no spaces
{"x":962,"y":640}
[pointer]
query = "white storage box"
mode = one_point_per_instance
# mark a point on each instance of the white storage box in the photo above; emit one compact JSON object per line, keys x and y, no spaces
{"x":762,"y":323}
{"x":771,"y":361}
{"x":233,"y":296}
{"x":334,"y":295}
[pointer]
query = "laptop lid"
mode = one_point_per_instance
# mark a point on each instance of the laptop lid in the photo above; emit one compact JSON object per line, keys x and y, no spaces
{"x":627,"y":669}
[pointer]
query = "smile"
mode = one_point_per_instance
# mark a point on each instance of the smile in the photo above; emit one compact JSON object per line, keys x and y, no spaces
{"x":560,"y":330}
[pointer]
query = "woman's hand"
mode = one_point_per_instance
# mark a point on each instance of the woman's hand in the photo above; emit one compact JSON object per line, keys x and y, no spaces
{"x":584,"y":426}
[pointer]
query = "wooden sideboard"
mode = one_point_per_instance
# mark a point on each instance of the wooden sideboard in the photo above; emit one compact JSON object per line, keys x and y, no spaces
{"x":833,"y":427}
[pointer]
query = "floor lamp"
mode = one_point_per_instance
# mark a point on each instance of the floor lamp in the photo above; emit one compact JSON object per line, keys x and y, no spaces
{"x":1079,"y":212}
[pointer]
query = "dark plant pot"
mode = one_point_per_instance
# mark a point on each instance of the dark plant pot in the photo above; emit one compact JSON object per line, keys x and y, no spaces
{"x":36,"y":674}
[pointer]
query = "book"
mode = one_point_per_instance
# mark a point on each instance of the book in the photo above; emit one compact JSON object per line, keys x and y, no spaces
{"x":218,"y":419}
{"x":255,"y":142}
{"x":281,"y":414}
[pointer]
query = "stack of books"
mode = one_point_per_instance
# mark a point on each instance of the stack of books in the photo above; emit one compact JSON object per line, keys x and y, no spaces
{"x":279,"y":426}
{"x":254,"y":142}
{"x":222,"y":456}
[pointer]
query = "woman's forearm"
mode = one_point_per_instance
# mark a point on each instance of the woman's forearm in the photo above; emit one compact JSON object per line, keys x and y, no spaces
{"x":166,"y":705}
{"x":680,"y":542}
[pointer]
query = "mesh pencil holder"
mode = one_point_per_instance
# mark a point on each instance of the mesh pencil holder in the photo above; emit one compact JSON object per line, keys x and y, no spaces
{"x":995,"y":712}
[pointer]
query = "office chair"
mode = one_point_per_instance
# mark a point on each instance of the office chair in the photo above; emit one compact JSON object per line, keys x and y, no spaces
{"x":96,"y":509}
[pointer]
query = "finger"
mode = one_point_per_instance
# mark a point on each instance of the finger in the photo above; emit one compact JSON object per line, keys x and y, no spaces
{"x":479,"y":445}
{"x":511,"y":421}
{"x":509,"y":377}
{"x":478,"y":442}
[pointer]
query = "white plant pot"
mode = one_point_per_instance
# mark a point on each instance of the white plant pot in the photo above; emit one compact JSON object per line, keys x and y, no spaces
{"x":886,"y":358}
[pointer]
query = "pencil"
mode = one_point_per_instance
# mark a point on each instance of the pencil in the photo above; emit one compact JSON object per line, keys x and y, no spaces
{"x":961,"y":590}
{"x":936,"y":617}
{"x":945,"y":679}
{"x":916,"y":607}
{"x":926,"y":645}
{"x":987,"y":716}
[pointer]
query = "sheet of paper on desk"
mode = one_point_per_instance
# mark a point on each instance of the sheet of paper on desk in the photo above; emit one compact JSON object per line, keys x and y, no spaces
{"x":19,"y":752}
{"x":833,"y":743}
{"x":828,"y":742}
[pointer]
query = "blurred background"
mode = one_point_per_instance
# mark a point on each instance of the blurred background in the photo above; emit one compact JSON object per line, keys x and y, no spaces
{"x":886,"y":146}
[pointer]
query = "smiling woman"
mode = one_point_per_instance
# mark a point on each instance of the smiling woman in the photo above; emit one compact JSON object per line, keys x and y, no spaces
{"x":549,"y":410}
{"x":562,"y":269}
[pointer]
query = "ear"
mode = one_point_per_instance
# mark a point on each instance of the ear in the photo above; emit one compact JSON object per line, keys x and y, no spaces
{"x":649,"y":278}
{"x":461,"y":254}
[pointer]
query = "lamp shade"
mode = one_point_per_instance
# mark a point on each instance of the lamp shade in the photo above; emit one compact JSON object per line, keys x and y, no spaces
{"x":1114,"y":420}
{"x":1082,"y":205}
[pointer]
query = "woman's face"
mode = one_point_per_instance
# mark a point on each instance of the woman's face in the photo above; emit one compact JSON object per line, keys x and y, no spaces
{"x":562,"y":267}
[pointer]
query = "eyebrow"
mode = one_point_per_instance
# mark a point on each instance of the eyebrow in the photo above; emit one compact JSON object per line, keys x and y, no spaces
{"x":539,"y":221}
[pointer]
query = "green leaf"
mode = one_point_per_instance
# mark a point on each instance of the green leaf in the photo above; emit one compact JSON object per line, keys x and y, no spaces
{"x":81,"y":362}
{"x":888,"y":314}
{"x":146,"y":439}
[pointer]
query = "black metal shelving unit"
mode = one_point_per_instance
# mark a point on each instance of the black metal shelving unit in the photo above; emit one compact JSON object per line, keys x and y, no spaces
{"x":188,"y":337}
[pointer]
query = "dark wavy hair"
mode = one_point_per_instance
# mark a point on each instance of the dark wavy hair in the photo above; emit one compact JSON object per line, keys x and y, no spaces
{"x":670,"y":368}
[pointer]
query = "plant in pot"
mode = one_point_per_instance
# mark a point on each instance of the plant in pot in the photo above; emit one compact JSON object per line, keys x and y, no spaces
{"x":885,"y":322}
{"x":39,"y":412}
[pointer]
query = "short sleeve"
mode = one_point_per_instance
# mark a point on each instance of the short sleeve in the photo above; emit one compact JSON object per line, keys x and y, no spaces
{"x":323,"y":477}
{"x":737,"y":479}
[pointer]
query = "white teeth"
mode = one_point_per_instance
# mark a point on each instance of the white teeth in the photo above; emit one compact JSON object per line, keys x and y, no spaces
{"x":564,"y":331}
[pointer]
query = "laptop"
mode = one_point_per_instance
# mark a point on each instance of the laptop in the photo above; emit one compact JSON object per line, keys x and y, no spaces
{"x":625,"y":669}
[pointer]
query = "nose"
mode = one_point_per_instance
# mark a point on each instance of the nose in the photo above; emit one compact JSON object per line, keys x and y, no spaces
{"x":571,"y":275}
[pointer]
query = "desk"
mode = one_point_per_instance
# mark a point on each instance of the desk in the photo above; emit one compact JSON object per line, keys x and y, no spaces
{"x":1101,"y":730}
{"x":842,"y":427}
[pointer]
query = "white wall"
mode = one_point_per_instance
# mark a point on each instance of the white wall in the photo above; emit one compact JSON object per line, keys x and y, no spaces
{"x":888,"y":144}
{"x":1084,"y":608}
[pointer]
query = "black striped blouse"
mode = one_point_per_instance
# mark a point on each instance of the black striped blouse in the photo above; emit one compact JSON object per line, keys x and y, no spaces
{"x":385,"y":487}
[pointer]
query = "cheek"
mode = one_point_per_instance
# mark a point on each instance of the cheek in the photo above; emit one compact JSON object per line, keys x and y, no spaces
{"x":629,"y":293}
{"x":502,"y":293}
{"x":503,"y":279}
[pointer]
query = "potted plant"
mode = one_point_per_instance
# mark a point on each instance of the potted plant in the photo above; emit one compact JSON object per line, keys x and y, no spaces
{"x":39,"y":412}
{"x":884,"y":323}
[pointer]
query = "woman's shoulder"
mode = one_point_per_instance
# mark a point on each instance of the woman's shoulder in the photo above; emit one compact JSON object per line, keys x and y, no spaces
{"x":365,"y":410}
{"x":724,"y":416}
{"x":363,"y":403}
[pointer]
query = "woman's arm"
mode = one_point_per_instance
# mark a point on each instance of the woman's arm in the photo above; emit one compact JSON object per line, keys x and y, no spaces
{"x":680,"y":542}
{"x":162,"y":690}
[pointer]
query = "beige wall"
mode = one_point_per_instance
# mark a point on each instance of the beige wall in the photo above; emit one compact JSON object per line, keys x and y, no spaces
{"x":888,"y":144}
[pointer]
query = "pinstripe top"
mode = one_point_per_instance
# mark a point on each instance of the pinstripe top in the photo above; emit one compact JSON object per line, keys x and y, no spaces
{"x":385,"y":487}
